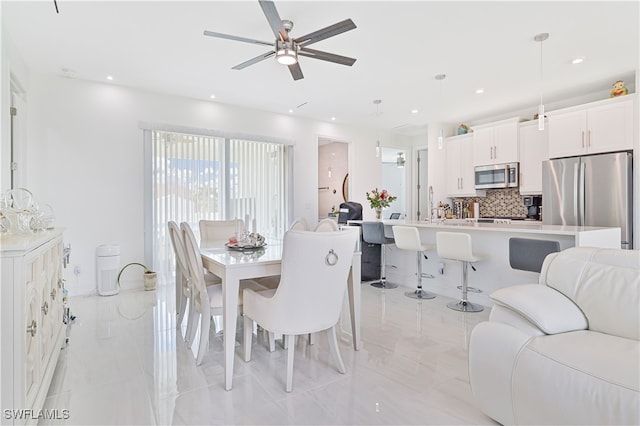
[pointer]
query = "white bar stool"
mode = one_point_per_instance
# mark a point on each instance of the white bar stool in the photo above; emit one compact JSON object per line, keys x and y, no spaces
{"x":373,"y":233}
{"x":408,"y":238}
{"x":457,"y":246}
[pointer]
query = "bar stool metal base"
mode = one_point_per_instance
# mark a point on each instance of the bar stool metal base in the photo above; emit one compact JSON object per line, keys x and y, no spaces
{"x":384,"y":284}
{"x":420,"y":294}
{"x":465,"y":306}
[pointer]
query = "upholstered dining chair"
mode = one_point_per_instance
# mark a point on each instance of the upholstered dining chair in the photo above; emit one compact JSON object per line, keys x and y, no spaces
{"x":300,"y":224}
{"x":289,"y":310}
{"x":206,"y":300}
{"x":215,"y":233}
{"x":183,"y":288}
{"x":327,"y":225}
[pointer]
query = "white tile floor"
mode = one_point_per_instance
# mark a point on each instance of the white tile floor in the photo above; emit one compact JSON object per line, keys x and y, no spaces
{"x":126,"y":364}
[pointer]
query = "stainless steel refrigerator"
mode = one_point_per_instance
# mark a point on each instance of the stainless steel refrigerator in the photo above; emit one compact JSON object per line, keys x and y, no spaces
{"x":593,"y":190}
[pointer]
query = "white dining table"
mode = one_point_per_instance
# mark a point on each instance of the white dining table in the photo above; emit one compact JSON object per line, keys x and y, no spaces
{"x":232,"y":266}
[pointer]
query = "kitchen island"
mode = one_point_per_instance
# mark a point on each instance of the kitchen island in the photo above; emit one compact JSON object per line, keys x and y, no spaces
{"x":490,"y":240}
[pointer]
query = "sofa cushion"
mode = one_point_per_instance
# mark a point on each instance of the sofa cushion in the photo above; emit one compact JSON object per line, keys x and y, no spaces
{"x":582,"y":377}
{"x":604,"y":283}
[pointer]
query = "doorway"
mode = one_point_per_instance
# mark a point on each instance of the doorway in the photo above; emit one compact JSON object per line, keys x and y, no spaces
{"x":394,"y":180}
{"x":333,"y":176}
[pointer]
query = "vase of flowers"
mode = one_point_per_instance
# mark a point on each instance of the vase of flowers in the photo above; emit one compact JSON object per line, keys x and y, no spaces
{"x":379,"y":200}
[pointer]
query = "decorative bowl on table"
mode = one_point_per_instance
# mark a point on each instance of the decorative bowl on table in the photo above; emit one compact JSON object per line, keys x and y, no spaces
{"x":250,"y":241}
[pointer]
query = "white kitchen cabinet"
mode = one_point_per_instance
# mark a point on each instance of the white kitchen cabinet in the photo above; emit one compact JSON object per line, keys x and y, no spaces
{"x":459,"y":162}
{"x":603,"y":126}
{"x":32,"y":328}
{"x":534,"y":149}
{"x":495,"y":143}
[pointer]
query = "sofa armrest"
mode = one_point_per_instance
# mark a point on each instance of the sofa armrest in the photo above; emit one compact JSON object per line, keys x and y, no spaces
{"x":546,"y":308}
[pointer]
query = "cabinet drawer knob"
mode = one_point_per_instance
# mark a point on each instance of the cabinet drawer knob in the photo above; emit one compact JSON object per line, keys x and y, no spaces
{"x":53,"y":294}
{"x":32,"y":328}
{"x":61,"y":282}
{"x":45,"y":307}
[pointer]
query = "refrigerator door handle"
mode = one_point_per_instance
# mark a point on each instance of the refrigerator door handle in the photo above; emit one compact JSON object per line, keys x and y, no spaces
{"x":581,"y":190}
{"x":576,"y":178}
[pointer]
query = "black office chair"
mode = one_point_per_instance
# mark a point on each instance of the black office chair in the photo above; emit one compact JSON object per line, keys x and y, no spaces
{"x":349,"y":210}
{"x":394,"y":216}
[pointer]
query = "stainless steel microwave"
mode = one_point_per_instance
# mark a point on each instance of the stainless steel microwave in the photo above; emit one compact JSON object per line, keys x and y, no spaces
{"x":497,"y":176}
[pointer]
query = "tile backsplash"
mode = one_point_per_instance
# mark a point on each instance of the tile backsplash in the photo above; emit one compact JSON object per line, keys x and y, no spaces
{"x":499,"y":203}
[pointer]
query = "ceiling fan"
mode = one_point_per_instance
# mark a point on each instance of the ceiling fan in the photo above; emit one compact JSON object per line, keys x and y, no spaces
{"x":286,"y":49}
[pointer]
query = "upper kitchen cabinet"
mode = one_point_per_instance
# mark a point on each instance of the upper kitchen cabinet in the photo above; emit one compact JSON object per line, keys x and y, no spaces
{"x":534,"y":149}
{"x":459,"y":172}
{"x":495,"y":143}
{"x":603,"y":126}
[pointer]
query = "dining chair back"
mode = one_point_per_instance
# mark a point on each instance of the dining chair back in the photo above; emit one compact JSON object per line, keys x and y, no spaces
{"x":300,"y":224}
{"x":183,"y":292}
{"x":327,"y":225}
{"x":289,"y":310}
{"x":215,"y":233}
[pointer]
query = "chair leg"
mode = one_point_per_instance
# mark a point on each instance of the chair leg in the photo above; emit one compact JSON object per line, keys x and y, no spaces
{"x":272,"y":341}
{"x":248,"y":337}
{"x":464,"y":305}
{"x":192,"y":319}
{"x":203,"y":346}
{"x":419,"y":293}
{"x":290,"y":351}
{"x":217,"y":324}
{"x":182,"y":309}
{"x":335,"y":349}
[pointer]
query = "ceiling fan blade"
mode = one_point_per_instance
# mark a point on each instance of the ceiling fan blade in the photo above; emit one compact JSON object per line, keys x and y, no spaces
{"x":255,"y":60}
{"x":270,"y":11}
{"x":326,"y":32}
{"x":237,"y":38}
{"x":324,"y":56}
{"x":296,"y":71}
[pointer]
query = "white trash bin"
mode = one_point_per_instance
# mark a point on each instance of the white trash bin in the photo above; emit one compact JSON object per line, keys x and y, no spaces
{"x":107,"y":266}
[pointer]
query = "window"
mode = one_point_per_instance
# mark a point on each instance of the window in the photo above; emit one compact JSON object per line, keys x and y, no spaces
{"x":205,"y":176}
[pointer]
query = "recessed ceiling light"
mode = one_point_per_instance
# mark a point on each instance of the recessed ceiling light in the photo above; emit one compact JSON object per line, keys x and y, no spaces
{"x":212,"y":96}
{"x":109,"y":78}
{"x":290,"y":110}
{"x":479,"y":91}
{"x":414,"y":111}
{"x":577,"y":60}
{"x":333,"y":119}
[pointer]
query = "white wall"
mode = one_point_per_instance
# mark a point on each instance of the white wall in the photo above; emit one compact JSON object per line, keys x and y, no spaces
{"x":85,"y":155}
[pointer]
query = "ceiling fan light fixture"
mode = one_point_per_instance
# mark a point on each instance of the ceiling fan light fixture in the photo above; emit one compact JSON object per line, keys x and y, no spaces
{"x":286,"y":55}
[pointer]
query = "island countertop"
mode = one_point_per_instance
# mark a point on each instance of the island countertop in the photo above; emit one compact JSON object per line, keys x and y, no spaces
{"x":490,"y":242}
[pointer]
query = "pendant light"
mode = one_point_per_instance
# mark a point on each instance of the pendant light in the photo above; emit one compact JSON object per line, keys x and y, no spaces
{"x":377,"y":103}
{"x":400,"y":160}
{"x":440,"y":78}
{"x":540,"y":38}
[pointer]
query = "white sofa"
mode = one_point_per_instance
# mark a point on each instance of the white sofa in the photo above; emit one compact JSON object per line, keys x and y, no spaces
{"x":566,"y":350}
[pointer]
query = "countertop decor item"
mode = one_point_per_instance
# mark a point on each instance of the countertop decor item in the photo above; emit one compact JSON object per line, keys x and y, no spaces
{"x":618,"y":89}
{"x":379,"y":200}
{"x":463,"y":129}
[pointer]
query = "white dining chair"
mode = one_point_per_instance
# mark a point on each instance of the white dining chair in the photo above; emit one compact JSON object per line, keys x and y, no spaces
{"x":327,"y":225}
{"x":206,"y":300}
{"x":289,"y":310}
{"x":215,"y":233}
{"x":300,"y":224}
{"x":183,"y":288}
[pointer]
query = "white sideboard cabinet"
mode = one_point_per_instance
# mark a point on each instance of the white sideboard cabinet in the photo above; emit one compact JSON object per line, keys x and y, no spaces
{"x":602,"y":126}
{"x":32,"y":328}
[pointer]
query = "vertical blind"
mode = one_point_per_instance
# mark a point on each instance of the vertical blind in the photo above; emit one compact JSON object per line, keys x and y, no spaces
{"x":196,"y":177}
